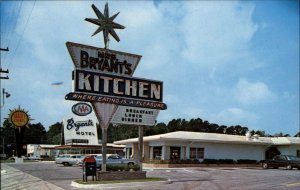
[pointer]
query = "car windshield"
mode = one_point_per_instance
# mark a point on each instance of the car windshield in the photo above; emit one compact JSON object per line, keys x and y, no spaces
{"x":293,"y":158}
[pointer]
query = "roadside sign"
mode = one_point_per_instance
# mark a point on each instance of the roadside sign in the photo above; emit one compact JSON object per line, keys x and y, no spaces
{"x":102,"y":60}
{"x":81,"y":109}
{"x":80,"y":130}
{"x":104,"y":113}
{"x":135,"y":116}
{"x":86,"y":97}
{"x":118,"y":86}
{"x":99,"y":60}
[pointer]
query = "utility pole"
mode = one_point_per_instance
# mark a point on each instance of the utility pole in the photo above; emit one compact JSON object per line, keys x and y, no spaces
{"x":6,"y":77}
{"x":3,"y":71}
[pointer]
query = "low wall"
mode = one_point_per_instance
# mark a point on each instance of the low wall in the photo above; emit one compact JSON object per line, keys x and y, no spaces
{"x":120,"y":175}
{"x":197,"y":165}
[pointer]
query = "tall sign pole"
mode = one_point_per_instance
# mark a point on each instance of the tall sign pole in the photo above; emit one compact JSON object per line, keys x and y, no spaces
{"x":140,"y":145}
{"x":105,"y":24}
{"x":19,"y":119}
{"x":103,"y":77}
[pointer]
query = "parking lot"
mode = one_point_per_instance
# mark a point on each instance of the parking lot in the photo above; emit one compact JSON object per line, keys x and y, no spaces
{"x":180,"y":178}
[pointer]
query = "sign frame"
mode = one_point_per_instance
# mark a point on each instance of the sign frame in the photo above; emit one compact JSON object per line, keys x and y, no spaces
{"x":117,"y":86}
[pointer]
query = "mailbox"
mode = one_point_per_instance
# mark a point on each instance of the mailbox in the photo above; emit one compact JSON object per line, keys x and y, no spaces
{"x":88,"y":167}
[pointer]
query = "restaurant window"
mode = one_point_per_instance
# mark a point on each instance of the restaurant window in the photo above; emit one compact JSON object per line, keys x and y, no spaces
{"x":200,"y":153}
{"x":157,"y":153}
{"x":196,"y":153}
{"x":174,"y":153}
{"x":193,"y":152}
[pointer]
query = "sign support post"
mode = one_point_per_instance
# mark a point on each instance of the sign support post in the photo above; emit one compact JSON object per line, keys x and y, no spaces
{"x":141,"y":143}
{"x":104,"y":149}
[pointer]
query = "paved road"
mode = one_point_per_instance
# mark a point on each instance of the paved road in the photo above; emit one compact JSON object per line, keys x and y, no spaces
{"x":56,"y":177}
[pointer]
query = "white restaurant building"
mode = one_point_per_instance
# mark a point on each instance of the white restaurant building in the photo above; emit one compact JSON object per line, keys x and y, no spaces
{"x":185,"y":145}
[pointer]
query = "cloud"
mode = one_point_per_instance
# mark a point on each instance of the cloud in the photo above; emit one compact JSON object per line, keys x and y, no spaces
{"x":253,"y":93}
{"x":217,"y":33}
{"x":235,"y":116}
{"x":201,"y":50}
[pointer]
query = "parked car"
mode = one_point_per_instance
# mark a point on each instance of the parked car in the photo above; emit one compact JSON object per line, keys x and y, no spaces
{"x":118,"y":160}
{"x":111,"y":160}
{"x":33,"y":158}
{"x":287,"y":161}
{"x":14,"y":158}
{"x":97,"y":158}
{"x":68,"y":159}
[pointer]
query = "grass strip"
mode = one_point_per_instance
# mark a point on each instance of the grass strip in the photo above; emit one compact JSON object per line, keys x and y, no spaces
{"x":150,"y":179}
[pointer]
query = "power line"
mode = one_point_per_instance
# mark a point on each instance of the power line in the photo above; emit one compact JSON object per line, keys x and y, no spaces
{"x":10,"y":31}
{"x":22,"y":35}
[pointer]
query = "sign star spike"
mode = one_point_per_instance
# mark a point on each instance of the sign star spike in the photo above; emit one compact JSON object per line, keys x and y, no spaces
{"x":106,"y":24}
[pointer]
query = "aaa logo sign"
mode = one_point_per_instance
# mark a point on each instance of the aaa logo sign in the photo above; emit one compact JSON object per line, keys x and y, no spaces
{"x":81,"y":109}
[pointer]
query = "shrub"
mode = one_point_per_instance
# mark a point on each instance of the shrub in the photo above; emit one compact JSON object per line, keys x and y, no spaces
{"x":173,"y":161}
{"x":136,"y":167}
{"x":210,"y":161}
{"x":246,"y":161}
{"x":115,"y":168}
{"x":226,"y":161}
{"x":127,"y":168}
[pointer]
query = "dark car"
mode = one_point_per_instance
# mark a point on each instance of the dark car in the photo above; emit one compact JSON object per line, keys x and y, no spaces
{"x":289,"y":162}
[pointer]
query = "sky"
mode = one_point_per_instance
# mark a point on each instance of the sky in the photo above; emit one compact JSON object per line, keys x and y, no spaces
{"x":227,"y":62}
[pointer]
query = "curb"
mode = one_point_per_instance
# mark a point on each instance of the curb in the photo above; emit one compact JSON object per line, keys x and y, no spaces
{"x":118,"y":185}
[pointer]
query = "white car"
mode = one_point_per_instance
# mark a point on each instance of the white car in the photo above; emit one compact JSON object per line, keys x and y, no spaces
{"x":33,"y":158}
{"x":68,"y":159}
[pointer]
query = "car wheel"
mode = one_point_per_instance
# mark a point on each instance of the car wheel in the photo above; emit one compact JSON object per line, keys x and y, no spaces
{"x":289,"y":167}
{"x":130,"y":164}
{"x":265,"y":166}
{"x":65,"y":164}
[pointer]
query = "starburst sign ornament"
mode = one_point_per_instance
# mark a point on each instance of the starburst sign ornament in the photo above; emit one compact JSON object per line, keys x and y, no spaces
{"x":19,"y":117}
{"x":105,"y":24}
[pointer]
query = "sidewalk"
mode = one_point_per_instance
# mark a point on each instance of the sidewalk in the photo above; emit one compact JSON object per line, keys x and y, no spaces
{"x":12,"y":179}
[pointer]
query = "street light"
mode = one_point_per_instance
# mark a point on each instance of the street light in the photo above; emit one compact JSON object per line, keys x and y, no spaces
{"x":7,"y":95}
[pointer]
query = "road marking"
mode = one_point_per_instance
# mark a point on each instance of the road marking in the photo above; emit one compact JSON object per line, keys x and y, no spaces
{"x":293,"y":184}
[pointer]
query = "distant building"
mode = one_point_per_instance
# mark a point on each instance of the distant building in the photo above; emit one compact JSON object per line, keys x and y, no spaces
{"x":79,"y":148}
{"x":195,"y":145}
{"x":41,"y":151}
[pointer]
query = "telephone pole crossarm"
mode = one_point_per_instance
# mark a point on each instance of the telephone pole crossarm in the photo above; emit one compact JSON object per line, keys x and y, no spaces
{"x":2,"y":49}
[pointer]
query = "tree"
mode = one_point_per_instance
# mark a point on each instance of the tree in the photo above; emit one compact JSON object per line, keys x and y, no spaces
{"x":160,"y":128}
{"x":54,"y":133}
{"x":174,"y":125}
{"x":8,"y":133}
{"x":221,"y":129}
{"x":236,"y":130}
{"x":35,"y":134}
{"x":213,"y":128}
{"x":260,"y":133}
{"x":297,"y":134}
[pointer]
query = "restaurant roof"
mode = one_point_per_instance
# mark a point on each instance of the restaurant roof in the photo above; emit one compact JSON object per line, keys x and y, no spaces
{"x":214,"y":137}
